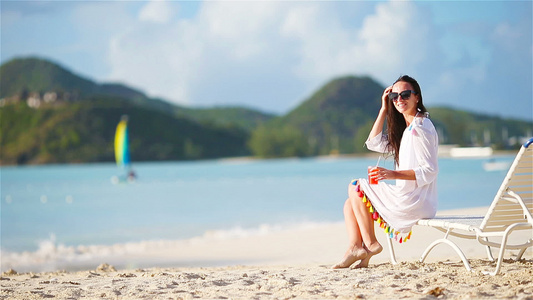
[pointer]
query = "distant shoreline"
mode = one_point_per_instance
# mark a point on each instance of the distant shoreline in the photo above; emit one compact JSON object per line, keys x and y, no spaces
{"x":244,"y":159}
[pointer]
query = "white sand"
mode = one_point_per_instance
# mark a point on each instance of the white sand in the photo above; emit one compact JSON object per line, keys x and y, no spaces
{"x":285,"y":264}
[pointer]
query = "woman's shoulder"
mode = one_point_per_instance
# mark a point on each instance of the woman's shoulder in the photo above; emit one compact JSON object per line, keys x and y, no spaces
{"x":424,"y":123}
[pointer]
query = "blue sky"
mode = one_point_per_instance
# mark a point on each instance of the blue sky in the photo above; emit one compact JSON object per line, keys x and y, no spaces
{"x":272,"y":55}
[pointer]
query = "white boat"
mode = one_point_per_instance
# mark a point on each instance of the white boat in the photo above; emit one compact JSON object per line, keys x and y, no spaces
{"x":492,"y":165}
{"x":471,"y":152}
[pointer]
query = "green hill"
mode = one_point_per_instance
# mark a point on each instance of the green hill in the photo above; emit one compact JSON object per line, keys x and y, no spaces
{"x":241,"y":117}
{"x":33,"y":75}
{"x":78,"y":124}
{"x":471,"y":129}
{"x":22,"y":77}
{"x":338,"y":117}
{"x":327,"y":122}
{"x":72,"y":119}
{"x":84,"y":132}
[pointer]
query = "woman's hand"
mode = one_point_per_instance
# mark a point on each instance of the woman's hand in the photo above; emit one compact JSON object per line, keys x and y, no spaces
{"x":380,"y":173}
{"x":385,"y":98}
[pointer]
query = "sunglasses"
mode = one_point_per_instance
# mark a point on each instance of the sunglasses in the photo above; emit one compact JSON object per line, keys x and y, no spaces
{"x":405,"y":95}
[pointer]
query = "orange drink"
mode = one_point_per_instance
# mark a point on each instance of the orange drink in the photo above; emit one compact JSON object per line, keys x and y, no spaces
{"x":370,"y":171}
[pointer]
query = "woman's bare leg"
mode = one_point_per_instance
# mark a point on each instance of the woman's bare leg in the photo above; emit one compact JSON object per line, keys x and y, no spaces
{"x":366,"y":226}
{"x":355,"y":250}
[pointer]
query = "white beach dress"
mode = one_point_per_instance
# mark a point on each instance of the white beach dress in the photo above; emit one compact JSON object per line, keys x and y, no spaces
{"x":402,"y":204}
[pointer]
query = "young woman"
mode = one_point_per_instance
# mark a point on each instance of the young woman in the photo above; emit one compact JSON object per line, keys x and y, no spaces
{"x":412,"y":140}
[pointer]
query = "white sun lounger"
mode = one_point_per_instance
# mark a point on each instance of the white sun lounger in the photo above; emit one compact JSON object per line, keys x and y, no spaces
{"x":511,"y":209}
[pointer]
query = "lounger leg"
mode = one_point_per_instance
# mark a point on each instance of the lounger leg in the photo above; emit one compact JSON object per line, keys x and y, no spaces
{"x":391,"y":250}
{"x":451,"y":244}
{"x":500,"y":259}
{"x":522,"y":251}
{"x":502,"y":250}
{"x":489,"y":251}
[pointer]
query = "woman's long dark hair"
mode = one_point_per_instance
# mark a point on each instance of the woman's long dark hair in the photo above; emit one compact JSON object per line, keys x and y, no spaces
{"x":396,"y":122}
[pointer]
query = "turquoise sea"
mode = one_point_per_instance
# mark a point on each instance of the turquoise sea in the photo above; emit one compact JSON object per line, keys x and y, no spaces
{"x":75,"y":205}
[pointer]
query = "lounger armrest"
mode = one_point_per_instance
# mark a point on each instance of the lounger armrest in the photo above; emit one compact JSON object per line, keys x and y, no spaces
{"x":527,"y":213}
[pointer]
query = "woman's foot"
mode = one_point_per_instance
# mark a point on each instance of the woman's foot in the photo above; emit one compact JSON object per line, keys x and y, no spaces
{"x":371,"y":251}
{"x":351,"y":256}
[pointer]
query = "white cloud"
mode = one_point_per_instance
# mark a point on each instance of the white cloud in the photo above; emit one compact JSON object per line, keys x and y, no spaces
{"x":271,"y":55}
{"x":318,"y":40}
{"x":157,"y":11}
{"x":268,"y":54}
{"x":229,"y":53}
{"x":160,"y":60}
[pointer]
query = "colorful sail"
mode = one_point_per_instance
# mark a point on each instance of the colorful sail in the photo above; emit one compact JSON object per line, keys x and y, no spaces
{"x":122,"y":151}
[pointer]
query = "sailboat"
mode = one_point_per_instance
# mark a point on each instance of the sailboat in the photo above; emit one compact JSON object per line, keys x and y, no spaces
{"x":494,"y":165}
{"x":122,"y":152}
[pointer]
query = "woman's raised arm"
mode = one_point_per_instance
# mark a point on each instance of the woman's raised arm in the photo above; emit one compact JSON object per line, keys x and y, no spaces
{"x":380,"y":120}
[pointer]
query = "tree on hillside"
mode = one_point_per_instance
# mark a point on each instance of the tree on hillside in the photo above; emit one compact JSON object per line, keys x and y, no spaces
{"x":287,"y":141}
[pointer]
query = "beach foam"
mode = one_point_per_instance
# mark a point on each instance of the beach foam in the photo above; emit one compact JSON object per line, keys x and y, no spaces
{"x":51,"y":255}
{"x":293,"y":244}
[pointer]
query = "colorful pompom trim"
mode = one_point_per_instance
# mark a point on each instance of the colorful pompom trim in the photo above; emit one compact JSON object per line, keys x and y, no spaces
{"x":391,"y":232}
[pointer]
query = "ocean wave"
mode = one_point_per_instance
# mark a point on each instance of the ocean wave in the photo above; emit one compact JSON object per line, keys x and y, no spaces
{"x":52,"y":256}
